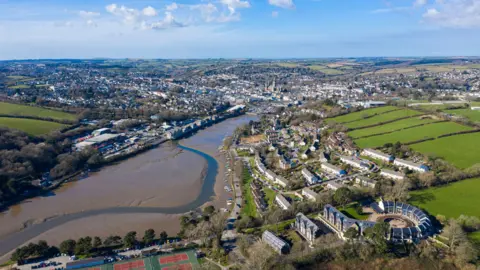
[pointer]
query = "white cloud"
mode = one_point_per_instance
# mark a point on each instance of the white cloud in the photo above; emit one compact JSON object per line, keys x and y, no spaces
{"x":274,"y":14}
{"x":455,"y":14}
{"x":88,"y":14}
{"x":167,"y":22}
{"x":91,"y":23}
{"x":149,"y":11}
{"x":129,"y":15}
{"x":233,"y":5}
{"x":282,"y":3}
{"x":420,"y":3}
{"x":207,"y":11}
{"x":392,"y":9}
{"x":173,"y":6}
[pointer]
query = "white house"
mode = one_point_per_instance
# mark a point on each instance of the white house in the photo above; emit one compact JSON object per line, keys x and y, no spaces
{"x":309,"y":194}
{"x":411,"y":165}
{"x":392,"y":174}
{"x":310,"y":177}
{"x":270,"y":175}
{"x":377,"y":155}
{"x":355,"y":162}
{"x":334,"y":185}
{"x":281,"y":181}
{"x":282,"y":202}
{"x":365,"y":182}
{"x":332,"y":169}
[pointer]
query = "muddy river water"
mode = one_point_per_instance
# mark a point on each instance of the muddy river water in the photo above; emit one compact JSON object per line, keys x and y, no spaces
{"x":150,"y":190}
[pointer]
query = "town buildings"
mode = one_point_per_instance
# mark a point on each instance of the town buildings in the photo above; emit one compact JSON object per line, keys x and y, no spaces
{"x":309,"y":177}
{"x":365,"y":182}
{"x":332,"y":169}
{"x":377,"y":155}
{"x":392,"y":174}
{"x":282,"y":202}
{"x":307,"y":228}
{"x":411,"y":165}
{"x":355,"y":162}
{"x":309,"y":194}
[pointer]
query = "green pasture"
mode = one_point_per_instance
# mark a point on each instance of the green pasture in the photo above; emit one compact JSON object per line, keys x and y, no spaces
{"x":389,"y":116}
{"x":453,"y":200}
{"x":23,"y":110}
{"x":473,"y":115}
{"x":401,"y":124}
{"x":412,"y":134}
{"x":30,"y":126}
{"x":460,"y":150}
{"x":361,"y":114}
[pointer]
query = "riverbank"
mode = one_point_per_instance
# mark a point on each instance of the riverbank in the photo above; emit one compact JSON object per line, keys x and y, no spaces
{"x":126,"y":196}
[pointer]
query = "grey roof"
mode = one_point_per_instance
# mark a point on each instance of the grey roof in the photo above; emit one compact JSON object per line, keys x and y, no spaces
{"x":273,"y":240}
{"x":305,"y":219}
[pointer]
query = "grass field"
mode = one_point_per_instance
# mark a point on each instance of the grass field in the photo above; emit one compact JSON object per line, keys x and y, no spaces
{"x":288,"y":65}
{"x":249,"y":208}
{"x":452,"y":200}
{"x":382,"y":118}
{"x":30,"y":126}
{"x":326,"y":70}
{"x":359,"y":115}
{"x":412,"y":134}
{"x":269,"y":196}
{"x":468,"y":113}
{"x":460,"y":150}
{"x":350,"y":212}
{"x":389,"y":127}
{"x":20,"y":86}
{"x":17,"y":78}
{"x":23,"y":110}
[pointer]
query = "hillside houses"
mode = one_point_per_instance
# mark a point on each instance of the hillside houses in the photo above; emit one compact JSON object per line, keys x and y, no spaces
{"x":282,"y":202}
{"x":355,"y":162}
{"x":377,"y":155}
{"x":411,"y":165}
{"x":332,"y":169}
{"x":309,"y":177}
{"x":309,"y":194}
{"x":392,"y":174}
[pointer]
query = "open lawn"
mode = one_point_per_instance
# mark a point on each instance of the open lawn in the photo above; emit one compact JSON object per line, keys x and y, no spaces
{"x":359,"y":115}
{"x":405,"y":123}
{"x":23,"y":110}
{"x":460,"y":150}
{"x":269,"y":196}
{"x":412,"y":134}
{"x":452,"y":200}
{"x":326,"y":70}
{"x":468,"y":113}
{"x":288,"y":65}
{"x":352,"y":213}
{"x":17,"y":78}
{"x":30,"y":126}
{"x":249,"y":208}
{"x":382,"y":118}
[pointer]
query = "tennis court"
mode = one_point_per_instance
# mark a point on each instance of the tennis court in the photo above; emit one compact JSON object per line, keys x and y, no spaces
{"x":132,"y":265}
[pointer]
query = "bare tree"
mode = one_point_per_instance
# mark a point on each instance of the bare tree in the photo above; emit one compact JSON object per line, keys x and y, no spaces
{"x":260,"y":254}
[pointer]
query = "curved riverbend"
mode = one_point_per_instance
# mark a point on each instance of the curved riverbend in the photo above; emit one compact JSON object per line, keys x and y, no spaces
{"x":16,"y":239}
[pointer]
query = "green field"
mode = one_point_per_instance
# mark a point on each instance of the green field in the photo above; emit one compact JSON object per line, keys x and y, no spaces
{"x":249,"y":208}
{"x":412,"y":134}
{"x":23,"y":110}
{"x":269,"y":196}
{"x":460,"y":150}
{"x":382,"y":118}
{"x":20,"y":86}
{"x":452,"y":200}
{"x":30,"y":126}
{"x":351,"y":213}
{"x":389,"y":127}
{"x":326,"y":70}
{"x":468,"y":113}
{"x":361,"y":114}
{"x":17,"y":78}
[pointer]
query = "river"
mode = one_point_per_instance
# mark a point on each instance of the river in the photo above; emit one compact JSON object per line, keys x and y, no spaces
{"x":150,"y":190}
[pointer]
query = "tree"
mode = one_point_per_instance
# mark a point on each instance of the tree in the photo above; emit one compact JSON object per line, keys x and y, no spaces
{"x":130,"y":239}
{"x":68,"y":246}
{"x":97,"y":242}
{"x":84,"y":245}
{"x":343,"y":196}
{"x":163,"y":236}
{"x":112,"y":240}
{"x":351,"y":233}
{"x":455,"y":234}
{"x":149,"y":236}
{"x":209,"y":210}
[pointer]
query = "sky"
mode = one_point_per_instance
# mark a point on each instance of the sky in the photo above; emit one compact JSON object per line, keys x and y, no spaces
{"x":33,"y":29}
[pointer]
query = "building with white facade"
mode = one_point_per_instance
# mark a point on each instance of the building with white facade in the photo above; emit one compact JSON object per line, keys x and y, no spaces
{"x":310,"y":177}
{"x":377,"y":155}
{"x":332,"y":169}
{"x":309,"y":194}
{"x":282,"y":202}
{"x":411,"y":165}
{"x":392,"y":174}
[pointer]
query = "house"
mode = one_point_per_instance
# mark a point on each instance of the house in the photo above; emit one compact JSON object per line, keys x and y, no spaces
{"x":306,"y":227}
{"x":378,"y":155}
{"x":355,"y":162}
{"x":334,"y":185}
{"x":392,"y":174}
{"x":411,"y":165}
{"x":280,"y":246}
{"x":281,"y":181}
{"x":365,"y":182}
{"x":100,"y":131}
{"x":282,"y":202}
{"x":332,"y":169}
{"x":309,"y":194}
{"x":283,"y":163}
{"x":258,"y":196}
{"x":270,"y":175}
{"x":310,"y":177}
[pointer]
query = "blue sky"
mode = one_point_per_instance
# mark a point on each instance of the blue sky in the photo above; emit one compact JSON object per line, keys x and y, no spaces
{"x":238,"y":28}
